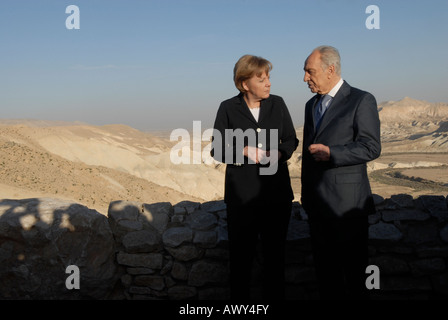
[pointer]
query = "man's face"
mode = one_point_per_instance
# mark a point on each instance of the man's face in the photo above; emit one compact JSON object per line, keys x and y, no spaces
{"x":318,"y":80}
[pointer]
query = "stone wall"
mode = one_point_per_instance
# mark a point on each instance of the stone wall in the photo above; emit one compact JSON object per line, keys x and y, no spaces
{"x":40,"y":238}
{"x":409,"y":243}
{"x":165,"y":251}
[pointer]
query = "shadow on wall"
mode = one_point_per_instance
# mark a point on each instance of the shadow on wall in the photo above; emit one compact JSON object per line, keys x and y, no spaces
{"x":40,"y":238}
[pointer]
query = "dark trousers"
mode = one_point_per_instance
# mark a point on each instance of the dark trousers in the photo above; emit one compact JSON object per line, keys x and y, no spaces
{"x":340,"y":251}
{"x":246,"y":225}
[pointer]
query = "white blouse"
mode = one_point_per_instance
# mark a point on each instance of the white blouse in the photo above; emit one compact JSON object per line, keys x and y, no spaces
{"x":255,"y":112}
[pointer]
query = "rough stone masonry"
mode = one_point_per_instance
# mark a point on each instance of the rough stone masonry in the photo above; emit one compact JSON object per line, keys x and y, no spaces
{"x":179,"y":252}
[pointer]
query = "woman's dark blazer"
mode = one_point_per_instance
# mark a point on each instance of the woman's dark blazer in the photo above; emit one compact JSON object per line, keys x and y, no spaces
{"x":244,"y":183}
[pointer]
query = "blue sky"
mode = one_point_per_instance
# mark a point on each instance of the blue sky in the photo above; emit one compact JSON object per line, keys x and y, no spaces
{"x":162,"y":64}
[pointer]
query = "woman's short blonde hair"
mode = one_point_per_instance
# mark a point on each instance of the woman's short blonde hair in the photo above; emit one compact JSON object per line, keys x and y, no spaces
{"x":248,"y":66}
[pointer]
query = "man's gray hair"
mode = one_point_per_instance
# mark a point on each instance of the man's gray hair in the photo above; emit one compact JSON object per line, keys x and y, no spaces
{"x":330,"y":56}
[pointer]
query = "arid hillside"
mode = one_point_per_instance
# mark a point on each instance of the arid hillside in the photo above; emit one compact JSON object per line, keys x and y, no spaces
{"x":94,"y":165}
{"x":413,"y":125}
{"x":414,"y":156}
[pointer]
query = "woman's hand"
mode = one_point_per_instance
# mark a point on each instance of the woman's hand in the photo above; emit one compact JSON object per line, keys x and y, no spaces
{"x":261,"y":156}
{"x":254,"y":154}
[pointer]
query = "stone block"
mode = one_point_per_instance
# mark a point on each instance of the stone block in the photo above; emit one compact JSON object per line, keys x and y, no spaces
{"x":182,"y":292}
{"x":201,"y":220}
{"x":203,"y":272}
{"x":151,"y":281}
{"x":185,"y":252}
{"x":142,"y":241}
{"x":205,"y":239}
{"x":384,"y":231}
{"x":174,"y":237}
{"x":444,"y":233}
{"x":427,"y":266}
{"x":404,"y":215}
{"x":390,"y":265}
{"x":157,"y":215}
{"x":435,"y":205}
{"x":146,"y":260}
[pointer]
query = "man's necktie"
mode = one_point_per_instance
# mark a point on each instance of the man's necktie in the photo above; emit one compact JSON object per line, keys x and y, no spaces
{"x":322,"y":106}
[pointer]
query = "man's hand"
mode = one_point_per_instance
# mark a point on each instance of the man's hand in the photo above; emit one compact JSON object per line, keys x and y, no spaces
{"x":319,"y":152}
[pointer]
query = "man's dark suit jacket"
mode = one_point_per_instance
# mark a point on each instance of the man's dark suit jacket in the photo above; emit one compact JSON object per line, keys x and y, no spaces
{"x":244,"y":185}
{"x":351,"y":128}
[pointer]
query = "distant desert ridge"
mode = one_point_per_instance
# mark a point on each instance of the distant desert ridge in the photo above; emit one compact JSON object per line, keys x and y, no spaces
{"x":94,"y":165}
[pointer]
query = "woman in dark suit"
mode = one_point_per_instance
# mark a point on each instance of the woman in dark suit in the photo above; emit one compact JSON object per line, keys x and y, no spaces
{"x":255,"y":136}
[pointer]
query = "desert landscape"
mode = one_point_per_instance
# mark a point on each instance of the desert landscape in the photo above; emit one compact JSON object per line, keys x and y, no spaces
{"x":94,"y":165}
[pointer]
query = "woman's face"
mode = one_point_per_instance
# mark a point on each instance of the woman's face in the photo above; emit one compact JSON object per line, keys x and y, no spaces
{"x":258,"y":87}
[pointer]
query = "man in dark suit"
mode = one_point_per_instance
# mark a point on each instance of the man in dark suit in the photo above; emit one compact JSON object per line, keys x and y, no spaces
{"x":341,"y":134}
